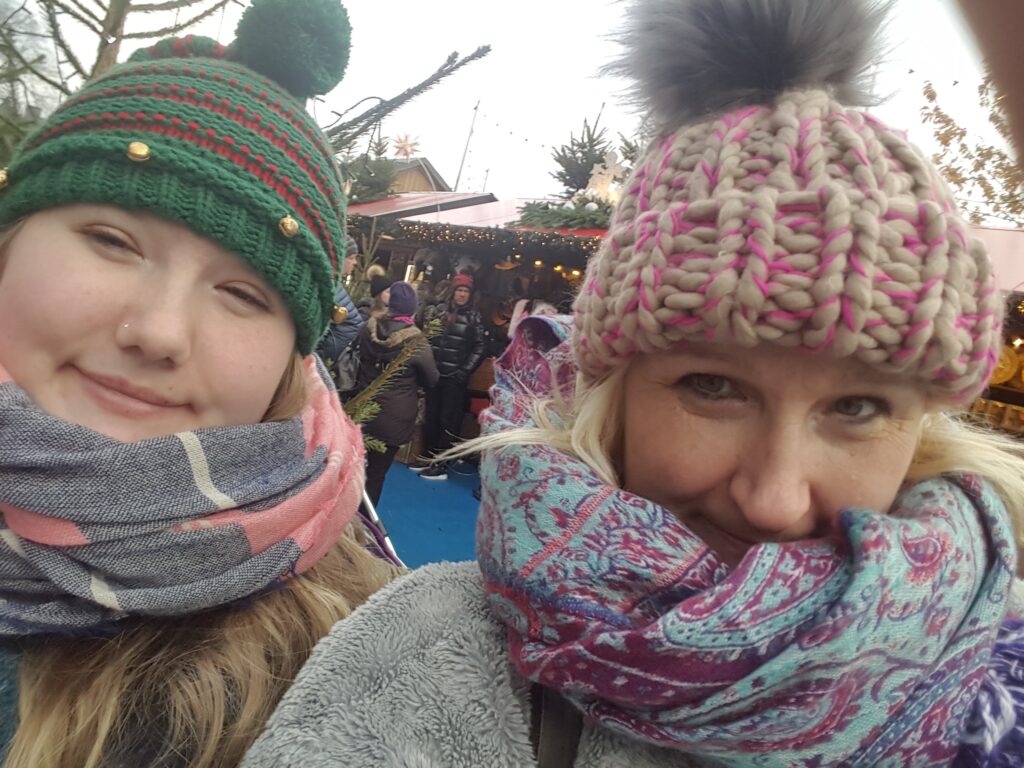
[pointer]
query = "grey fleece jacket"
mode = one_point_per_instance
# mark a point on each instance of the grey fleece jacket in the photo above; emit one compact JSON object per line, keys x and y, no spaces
{"x":419,"y":677}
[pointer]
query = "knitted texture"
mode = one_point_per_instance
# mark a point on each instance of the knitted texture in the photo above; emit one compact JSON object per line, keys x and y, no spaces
{"x":230,"y":155}
{"x":801,"y":223}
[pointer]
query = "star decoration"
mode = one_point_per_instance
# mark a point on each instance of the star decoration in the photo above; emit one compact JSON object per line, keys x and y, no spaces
{"x":406,"y":146}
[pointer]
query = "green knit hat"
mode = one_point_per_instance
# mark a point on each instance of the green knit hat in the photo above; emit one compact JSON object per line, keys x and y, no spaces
{"x":215,"y":138}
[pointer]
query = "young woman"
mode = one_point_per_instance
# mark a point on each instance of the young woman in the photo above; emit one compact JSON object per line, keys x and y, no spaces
{"x":732,"y":514}
{"x":178,"y":483}
{"x":380,"y":343}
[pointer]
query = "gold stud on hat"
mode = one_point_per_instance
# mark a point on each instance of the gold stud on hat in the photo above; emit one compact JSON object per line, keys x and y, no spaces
{"x":289,"y":227}
{"x":339,"y":316}
{"x":138,"y":152}
{"x":3,"y":178}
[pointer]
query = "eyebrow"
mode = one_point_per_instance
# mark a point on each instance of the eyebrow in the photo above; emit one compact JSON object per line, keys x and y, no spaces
{"x":864,"y":375}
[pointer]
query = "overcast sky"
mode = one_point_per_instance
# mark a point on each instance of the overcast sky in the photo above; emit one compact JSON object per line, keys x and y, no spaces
{"x":540,"y":80}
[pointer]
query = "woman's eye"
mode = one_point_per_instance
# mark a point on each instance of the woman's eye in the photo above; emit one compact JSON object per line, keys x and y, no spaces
{"x":710,"y":386}
{"x":248,"y":297}
{"x":861,"y":408}
{"x":109,"y":239}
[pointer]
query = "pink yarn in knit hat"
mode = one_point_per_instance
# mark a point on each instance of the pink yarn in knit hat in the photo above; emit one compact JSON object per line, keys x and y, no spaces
{"x":768,"y":211}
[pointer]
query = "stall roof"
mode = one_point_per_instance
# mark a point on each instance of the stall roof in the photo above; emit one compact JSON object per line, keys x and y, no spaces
{"x":415,"y":203}
{"x":499,"y":213}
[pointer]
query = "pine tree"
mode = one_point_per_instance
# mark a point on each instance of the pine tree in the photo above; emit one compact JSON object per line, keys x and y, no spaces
{"x":576,"y":160}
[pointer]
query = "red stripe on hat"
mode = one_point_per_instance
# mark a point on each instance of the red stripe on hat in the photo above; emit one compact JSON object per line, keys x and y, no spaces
{"x":238,"y":113}
{"x":289,"y":114}
{"x":256,"y":165}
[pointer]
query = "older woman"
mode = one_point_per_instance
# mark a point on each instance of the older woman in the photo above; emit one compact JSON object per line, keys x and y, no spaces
{"x":730,"y":515}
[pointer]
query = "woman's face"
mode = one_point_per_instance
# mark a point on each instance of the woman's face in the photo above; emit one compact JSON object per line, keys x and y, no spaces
{"x":136,"y":327}
{"x":765,"y":445}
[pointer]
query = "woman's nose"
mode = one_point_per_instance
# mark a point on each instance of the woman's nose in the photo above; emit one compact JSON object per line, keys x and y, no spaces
{"x":773,"y":486}
{"x":158,"y":327}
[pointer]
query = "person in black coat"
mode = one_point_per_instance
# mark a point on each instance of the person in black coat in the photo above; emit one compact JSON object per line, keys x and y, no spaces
{"x":380,"y":341}
{"x":458,"y":350}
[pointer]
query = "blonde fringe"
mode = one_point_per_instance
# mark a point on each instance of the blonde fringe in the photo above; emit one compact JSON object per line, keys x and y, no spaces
{"x":950,"y":443}
{"x":194,"y":691}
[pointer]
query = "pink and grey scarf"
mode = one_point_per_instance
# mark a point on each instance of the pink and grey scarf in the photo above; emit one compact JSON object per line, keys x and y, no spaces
{"x":867,"y":653}
{"x":93,"y":530}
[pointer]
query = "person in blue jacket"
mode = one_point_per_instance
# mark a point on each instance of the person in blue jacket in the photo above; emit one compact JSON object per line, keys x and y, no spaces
{"x":346,"y":320}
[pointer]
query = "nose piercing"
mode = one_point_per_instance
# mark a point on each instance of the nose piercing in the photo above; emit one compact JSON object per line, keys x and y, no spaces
{"x":125,"y":326}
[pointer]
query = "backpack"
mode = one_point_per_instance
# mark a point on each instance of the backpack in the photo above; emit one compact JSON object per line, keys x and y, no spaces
{"x":346,"y":367}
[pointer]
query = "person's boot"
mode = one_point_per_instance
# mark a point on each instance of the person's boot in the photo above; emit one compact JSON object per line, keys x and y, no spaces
{"x":437,"y":471}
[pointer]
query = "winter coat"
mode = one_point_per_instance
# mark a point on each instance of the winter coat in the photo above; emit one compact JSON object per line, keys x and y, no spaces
{"x":459,"y":346}
{"x":420,"y":676}
{"x":340,"y":335}
{"x":380,"y":342}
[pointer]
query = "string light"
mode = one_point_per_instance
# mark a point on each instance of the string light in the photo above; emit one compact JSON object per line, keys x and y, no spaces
{"x":501,"y":244}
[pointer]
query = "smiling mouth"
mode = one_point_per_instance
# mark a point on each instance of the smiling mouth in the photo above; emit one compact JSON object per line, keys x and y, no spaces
{"x":121,"y":393}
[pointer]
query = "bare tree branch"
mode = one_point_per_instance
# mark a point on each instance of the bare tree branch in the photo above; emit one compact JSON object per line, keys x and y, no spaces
{"x":171,"y":5}
{"x":343,"y":134}
{"x":28,"y":66}
{"x":86,"y":12}
{"x":4,"y":24}
{"x":62,"y":45}
{"x":85,"y":21}
{"x":173,"y":30}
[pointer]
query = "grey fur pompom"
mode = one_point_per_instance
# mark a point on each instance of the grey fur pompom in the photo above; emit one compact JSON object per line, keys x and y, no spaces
{"x":692,"y":58}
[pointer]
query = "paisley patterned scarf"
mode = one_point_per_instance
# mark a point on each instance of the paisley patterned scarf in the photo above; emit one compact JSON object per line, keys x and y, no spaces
{"x":93,"y":530}
{"x":866,"y":653}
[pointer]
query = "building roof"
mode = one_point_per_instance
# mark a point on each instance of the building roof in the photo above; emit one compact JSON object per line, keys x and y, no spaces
{"x":499,"y":213}
{"x":425,"y":167}
{"x":417,"y":203}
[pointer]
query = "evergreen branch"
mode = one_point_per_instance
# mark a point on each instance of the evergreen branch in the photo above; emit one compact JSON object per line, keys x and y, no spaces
{"x":62,"y":44}
{"x":344,"y":134}
{"x":548,"y":216}
{"x":176,"y":28}
{"x":355,"y":407}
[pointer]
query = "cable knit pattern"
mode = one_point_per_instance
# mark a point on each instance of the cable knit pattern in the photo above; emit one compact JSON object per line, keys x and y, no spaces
{"x":804,"y":224}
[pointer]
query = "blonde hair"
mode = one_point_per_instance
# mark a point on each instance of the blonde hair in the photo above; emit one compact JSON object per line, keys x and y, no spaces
{"x":590,"y":428}
{"x":196,"y":690}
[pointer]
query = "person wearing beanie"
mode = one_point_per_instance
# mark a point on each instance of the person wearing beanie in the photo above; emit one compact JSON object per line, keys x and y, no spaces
{"x":459,"y":349}
{"x":179,"y":484}
{"x":376,"y":305}
{"x":731,"y":513}
{"x":380,"y":342}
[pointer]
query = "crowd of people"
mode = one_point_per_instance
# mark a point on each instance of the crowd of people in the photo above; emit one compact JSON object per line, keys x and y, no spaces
{"x":733,"y":510}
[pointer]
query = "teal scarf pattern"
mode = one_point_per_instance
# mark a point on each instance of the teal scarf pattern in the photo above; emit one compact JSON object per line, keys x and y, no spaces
{"x":866,"y":651}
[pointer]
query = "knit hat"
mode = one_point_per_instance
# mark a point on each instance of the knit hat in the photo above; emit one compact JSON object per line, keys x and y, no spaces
{"x":766,"y":210}
{"x":379,"y":284}
{"x":462,"y":281}
{"x":215,"y":138}
{"x":402,"y":300}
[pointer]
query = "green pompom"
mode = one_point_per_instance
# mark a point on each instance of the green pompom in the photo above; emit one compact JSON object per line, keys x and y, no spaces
{"x":303,"y":45}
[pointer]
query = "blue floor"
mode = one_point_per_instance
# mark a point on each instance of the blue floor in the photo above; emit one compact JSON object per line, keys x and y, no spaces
{"x":430,"y":520}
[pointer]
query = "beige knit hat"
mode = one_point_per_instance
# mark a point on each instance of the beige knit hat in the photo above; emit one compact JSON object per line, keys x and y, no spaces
{"x":768,"y":210}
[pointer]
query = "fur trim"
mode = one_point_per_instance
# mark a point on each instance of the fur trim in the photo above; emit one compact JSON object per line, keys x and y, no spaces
{"x":396,"y":339}
{"x":691,"y":58}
